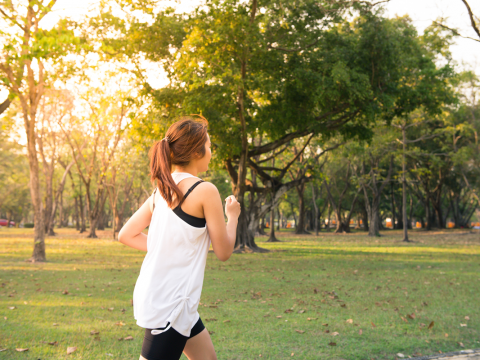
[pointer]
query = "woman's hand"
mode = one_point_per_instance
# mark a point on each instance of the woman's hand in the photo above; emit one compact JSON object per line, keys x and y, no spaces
{"x":232,"y":208}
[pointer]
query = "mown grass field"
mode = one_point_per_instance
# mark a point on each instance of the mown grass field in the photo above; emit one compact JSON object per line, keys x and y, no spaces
{"x":325,"y":297}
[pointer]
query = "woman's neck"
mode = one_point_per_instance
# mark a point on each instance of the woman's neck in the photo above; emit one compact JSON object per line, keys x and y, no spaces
{"x":191,"y":171}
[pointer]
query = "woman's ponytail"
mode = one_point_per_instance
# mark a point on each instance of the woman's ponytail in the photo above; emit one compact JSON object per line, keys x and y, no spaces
{"x":183,"y":140}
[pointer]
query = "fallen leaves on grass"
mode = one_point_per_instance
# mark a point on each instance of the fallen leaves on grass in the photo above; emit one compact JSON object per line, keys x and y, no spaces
{"x":120,"y":323}
{"x":279,"y":316}
{"x":12,"y":307}
{"x":3,"y":349}
{"x":71,"y":349}
{"x":288,"y":311}
{"x":373,"y":324}
{"x":21,"y":350}
{"x":111,"y":309}
{"x":301,"y":311}
{"x":411,"y":316}
{"x":128,"y":338}
{"x":212,"y":319}
{"x":360,"y":332}
{"x":467,"y":318}
{"x":461,"y":344}
{"x":65,"y":292}
{"x":300,"y":331}
{"x":462,"y":325}
{"x":431,"y":325}
{"x":332,"y":343}
{"x":325,"y":324}
{"x":94,"y":332}
{"x":54,"y":343}
{"x":54,"y":324}
{"x":350,"y":321}
{"x":335,"y":333}
{"x":311,"y":319}
{"x":400,"y":355}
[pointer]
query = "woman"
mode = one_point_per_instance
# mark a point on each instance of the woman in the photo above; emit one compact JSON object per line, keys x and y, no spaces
{"x":184,"y":215}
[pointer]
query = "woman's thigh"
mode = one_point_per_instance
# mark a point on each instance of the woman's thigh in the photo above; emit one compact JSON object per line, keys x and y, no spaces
{"x":200,"y":347}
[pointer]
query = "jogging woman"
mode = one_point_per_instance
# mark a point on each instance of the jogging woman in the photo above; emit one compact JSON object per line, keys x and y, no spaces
{"x":184,"y":215}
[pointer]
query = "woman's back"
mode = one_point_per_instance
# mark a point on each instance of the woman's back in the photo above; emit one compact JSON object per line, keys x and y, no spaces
{"x":169,"y":286}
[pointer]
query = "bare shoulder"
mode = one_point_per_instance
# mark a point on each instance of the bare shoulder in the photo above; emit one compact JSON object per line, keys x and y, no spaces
{"x":208,"y":189}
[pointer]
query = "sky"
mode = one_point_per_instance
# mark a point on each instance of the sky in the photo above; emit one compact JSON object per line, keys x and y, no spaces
{"x":465,"y":52}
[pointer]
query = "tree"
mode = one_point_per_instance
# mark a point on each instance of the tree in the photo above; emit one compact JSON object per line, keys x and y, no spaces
{"x":30,"y":59}
{"x":54,"y":106}
{"x":14,"y":175}
{"x":372,"y":173}
{"x":102,"y":128}
{"x":253,"y":72}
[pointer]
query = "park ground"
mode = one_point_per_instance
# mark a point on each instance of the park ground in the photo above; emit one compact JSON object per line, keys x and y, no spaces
{"x":326,"y":297}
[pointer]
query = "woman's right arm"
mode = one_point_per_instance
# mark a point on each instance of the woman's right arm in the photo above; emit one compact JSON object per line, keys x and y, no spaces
{"x":131,"y":233}
{"x":222,"y":235}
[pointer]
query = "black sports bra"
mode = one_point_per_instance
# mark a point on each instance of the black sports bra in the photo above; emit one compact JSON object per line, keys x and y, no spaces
{"x":189,"y":219}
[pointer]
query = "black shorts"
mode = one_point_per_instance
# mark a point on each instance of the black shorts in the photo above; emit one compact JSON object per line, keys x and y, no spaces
{"x":168,"y":345}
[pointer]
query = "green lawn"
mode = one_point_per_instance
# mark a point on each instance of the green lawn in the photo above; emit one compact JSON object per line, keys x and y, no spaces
{"x":288,"y":303}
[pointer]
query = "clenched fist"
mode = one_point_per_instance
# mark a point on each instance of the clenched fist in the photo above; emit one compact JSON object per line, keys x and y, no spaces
{"x":232,"y":207}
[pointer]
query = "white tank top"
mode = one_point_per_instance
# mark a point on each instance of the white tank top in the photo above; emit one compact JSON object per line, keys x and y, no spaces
{"x":170,"y":282}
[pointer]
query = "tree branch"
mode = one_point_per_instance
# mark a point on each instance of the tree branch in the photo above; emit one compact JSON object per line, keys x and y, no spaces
{"x":455,"y":31}
{"x":472,"y":18}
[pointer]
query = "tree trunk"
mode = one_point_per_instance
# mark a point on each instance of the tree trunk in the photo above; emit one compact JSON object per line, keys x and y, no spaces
{"x":261,"y":227}
{"x":428,"y":215}
{"x":272,"y":237}
{"x":300,"y":229}
{"x":315,"y":207}
{"x":373,"y":207}
{"x":77,"y":220}
{"x":38,"y":211}
{"x":394,"y":220}
{"x":61,"y":215}
{"x":48,"y":205}
{"x":56,"y":199}
{"x":366,"y":226}
{"x":83,"y":210}
{"x":328,"y":217}
{"x":404,"y":187}
{"x":279,"y":218}
{"x":373,"y":218}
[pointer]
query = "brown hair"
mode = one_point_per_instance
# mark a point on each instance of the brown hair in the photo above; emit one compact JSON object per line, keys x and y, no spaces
{"x":182,"y":140}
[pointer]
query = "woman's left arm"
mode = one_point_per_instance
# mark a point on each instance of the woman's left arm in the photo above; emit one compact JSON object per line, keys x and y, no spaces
{"x":131,"y":233}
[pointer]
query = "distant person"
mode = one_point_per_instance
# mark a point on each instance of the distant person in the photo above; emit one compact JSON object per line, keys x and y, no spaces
{"x":184,"y":215}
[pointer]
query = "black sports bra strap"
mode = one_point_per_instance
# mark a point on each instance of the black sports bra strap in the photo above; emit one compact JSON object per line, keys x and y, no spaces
{"x":154,"y":191}
{"x":191,"y":188}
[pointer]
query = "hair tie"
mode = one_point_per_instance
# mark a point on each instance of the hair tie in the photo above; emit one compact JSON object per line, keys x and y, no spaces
{"x":166,"y":139}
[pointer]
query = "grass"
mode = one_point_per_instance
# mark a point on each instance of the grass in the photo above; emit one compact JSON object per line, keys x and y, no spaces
{"x":321,"y":280}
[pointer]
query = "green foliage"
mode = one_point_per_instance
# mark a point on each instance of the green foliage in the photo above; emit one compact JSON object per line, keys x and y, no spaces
{"x":295,"y":75}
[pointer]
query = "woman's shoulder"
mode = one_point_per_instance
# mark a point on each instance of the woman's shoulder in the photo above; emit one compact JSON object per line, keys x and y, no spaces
{"x":208,"y":187}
